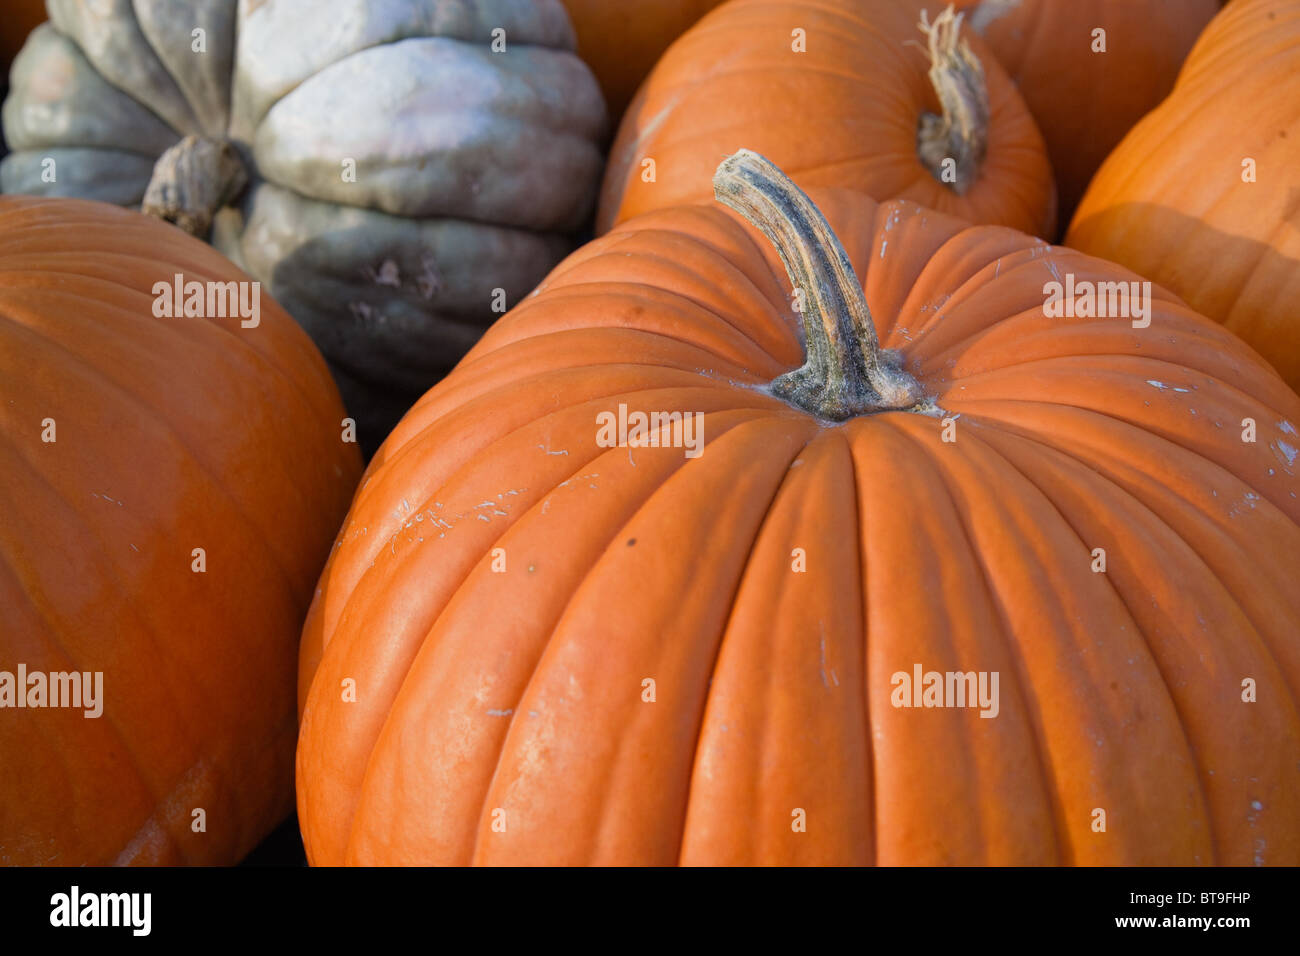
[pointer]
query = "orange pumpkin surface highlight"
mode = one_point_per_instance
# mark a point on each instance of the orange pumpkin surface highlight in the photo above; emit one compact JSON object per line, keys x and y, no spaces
{"x":1203,"y":195}
{"x":127,"y":442}
{"x":839,"y":93}
{"x":506,"y":584}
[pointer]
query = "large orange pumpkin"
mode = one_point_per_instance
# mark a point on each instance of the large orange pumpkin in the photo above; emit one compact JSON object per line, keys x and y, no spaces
{"x":534,"y":645}
{"x":1203,"y":195}
{"x":168,"y":491}
{"x":843,"y":93}
{"x":1087,"y":90}
{"x":621,"y":40}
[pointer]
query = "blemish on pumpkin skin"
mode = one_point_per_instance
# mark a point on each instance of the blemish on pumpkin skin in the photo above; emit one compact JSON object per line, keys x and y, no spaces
{"x":821,"y":627}
{"x":1247,"y":502}
{"x":441,"y":521}
{"x":387,"y":274}
{"x":1163,"y":386}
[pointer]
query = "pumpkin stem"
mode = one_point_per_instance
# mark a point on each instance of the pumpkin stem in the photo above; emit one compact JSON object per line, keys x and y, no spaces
{"x":846,"y":373}
{"x":961,"y":133}
{"x":192,"y":181}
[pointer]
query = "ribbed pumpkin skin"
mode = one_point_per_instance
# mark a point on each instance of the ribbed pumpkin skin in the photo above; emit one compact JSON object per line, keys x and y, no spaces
{"x":522,"y":690}
{"x":1170,"y":201}
{"x":843,"y":114}
{"x":1084,"y":102}
{"x":621,"y":41}
{"x":172,"y":434}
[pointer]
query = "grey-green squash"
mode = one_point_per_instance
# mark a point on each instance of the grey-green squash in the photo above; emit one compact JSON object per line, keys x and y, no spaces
{"x":394,"y":172}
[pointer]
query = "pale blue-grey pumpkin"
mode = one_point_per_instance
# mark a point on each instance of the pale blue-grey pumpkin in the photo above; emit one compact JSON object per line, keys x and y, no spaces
{"x":412,"y":166}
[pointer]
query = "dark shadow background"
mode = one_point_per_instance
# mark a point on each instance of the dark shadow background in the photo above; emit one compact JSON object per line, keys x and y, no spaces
{"x":282,"y":848}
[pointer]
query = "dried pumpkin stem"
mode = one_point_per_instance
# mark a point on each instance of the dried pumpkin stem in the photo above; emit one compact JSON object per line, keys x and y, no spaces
{"x":961,"y":133}
{"x":846,"y":372}
{"x":192,"y":181}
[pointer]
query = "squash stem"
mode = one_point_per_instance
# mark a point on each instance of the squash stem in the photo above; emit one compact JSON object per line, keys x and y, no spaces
{"x":846,"y":373}
{"x":192,"y":181}
{"x":952,"y":146}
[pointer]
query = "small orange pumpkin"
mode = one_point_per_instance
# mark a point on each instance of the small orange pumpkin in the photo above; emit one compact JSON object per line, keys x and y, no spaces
{"x":842,"y":93}
{"x":538,"y":643}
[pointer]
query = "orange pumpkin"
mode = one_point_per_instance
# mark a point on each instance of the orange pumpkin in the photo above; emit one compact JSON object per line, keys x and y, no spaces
{"x":168,"y":491}
{"x":843,"y":93}
{"x":621,"y":41}
{"x":1202,"y":196}
{"x":21,"y":18}
{"x":539,"y":642}
{"x":1085,"y":96}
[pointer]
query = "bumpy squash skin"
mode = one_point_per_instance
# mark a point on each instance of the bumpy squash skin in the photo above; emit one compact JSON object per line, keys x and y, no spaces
{"x":170,"y":434}
{"x":845,"y":113}
{"x":499,"y":714}
{"x":1172,"y":202}
{"x":394,"y":123}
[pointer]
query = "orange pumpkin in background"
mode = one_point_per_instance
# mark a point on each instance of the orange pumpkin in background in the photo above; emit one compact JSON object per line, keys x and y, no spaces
{"x":1085,"y":98}
{"x":168,"y":491}
{"x":21,"y":17}
{"x":1203,"y":196}
{"x":535,"y":643}
{"x":841,"y":93}
{"x":621,"y":40}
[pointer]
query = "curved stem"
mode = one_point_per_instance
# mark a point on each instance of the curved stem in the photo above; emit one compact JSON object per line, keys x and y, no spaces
{"x":192,"y":181}
{"x":961,"y":134}
{"x":846,"y":373}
